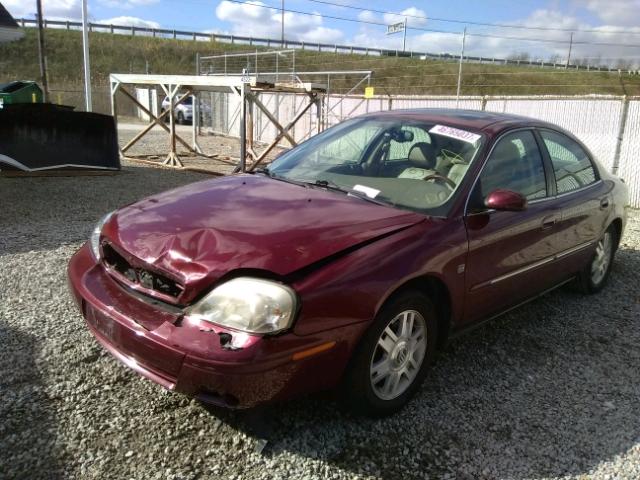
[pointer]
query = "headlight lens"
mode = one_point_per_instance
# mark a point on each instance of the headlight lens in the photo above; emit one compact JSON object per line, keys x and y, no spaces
{"x":252,"y":305}
{"x":95,"y":236}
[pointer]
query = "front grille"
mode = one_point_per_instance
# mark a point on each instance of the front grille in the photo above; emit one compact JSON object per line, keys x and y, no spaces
{"x":140,"y":276}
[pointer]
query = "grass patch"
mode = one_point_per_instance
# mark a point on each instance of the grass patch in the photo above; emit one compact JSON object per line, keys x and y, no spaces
{"x":394,"y":76}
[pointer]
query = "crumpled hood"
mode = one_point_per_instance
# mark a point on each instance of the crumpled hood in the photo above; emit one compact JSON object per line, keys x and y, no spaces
{"x":202,"y":231}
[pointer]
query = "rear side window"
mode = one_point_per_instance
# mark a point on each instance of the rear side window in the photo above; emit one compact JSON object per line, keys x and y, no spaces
{"x":571,"y":164}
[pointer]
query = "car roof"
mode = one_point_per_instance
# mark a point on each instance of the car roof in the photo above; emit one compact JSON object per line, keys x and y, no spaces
{"x":487,"y":122}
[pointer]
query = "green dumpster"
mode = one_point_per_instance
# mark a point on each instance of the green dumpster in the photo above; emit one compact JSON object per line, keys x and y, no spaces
{"x":23,"y":91}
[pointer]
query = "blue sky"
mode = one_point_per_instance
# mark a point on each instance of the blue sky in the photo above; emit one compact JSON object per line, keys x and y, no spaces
{"x":605,"y":16}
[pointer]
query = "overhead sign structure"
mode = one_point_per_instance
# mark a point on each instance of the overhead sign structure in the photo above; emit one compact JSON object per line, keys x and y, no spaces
{"x":397,"y":28}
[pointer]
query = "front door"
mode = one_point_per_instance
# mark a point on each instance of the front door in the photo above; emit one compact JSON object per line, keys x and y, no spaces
{"x":511,"y":254}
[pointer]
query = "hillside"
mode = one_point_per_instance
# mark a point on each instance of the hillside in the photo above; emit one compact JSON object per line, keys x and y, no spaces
{"x":122,"y":53}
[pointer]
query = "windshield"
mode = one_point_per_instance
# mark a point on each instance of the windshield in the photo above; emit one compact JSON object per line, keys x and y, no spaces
{"x":412,"y":165}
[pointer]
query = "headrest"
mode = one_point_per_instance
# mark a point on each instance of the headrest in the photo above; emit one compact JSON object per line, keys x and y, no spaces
{"x":506,"y":152}
{"x":423,"y":155}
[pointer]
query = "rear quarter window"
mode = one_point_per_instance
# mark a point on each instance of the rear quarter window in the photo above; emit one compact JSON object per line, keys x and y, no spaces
{"x":572,"y":166}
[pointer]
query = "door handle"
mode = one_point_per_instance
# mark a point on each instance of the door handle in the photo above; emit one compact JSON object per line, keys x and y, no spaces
{"x":604,"y":203}
{"x":548,"y":222}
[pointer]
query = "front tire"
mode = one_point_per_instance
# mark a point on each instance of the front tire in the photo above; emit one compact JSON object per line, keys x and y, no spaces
{"x":596,"y":273}
{"x":393,"y":356}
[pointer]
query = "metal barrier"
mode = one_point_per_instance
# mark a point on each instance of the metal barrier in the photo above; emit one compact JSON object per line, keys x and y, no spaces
{"x":320,"y":47}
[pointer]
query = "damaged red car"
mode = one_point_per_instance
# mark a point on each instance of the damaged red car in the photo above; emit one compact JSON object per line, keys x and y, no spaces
{"x":351,"y":259}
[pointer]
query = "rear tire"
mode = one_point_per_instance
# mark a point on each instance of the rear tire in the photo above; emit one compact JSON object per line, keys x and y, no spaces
{"x":180,"y":118}
{"x":595,"y":274}
{"x":393,"y":356}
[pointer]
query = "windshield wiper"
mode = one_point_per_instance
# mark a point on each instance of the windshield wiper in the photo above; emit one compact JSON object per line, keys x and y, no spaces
{"x":270,"y":174}
{"x":263,"y":170}
{"x":330,"y":185}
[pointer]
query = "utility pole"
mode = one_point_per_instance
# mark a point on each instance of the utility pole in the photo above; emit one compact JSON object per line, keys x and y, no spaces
{"x":87,"y":68}
{"x":41,"y":54}
{"x":464,"y":38}
{"x":404,"y":35}
{"x":569,"y":56}
{"x":282,"y":36}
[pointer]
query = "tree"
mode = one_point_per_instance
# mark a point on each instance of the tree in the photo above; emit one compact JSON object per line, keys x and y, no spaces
{"x":521,"y":56}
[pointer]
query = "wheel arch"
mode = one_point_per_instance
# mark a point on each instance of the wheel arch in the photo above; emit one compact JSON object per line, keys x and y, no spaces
{"x":616,"y":223}
{"x":436,"y":289}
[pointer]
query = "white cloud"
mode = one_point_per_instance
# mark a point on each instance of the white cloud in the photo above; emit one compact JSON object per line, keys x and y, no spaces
{"x":321,"y":35}
{"x":415,"y":17}
{"x":585,"y":43}
{"x":127,"y":4}
{"x":367,"y":16}
{"x":255,"y":20}
{"x":585,"y":48}
{"x":616,"y":12}
{"x":130,"y":22}
{"x":51,"y":9}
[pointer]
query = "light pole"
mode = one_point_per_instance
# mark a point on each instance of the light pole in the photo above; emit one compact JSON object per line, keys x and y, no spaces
{"x":464,"y":38}
{"x":85,"y":51}
{"x":569,"y":56}
{"x":404,"y":36}
{"x":41,"y":54}
{"x":282,"y":23}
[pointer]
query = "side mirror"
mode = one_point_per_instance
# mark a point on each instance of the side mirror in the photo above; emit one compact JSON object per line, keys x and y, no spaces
{"x":507,"y":200}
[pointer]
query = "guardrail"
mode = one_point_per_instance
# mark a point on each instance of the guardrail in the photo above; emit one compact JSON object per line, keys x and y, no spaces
{"x":322,"y":47}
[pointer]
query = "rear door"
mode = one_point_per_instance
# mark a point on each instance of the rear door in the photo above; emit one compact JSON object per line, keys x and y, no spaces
{"x":584,"y":199}
{"x":510,"y":253}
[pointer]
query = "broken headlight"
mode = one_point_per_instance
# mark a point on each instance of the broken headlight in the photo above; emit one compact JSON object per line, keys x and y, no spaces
{"x":94,"y":240}
{"x":251,"y":305}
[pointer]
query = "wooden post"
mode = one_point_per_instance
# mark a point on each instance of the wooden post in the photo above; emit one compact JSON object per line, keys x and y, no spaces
{"x":249,"y":123}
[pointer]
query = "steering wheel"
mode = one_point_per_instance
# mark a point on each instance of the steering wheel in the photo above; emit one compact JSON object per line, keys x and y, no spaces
{"x":437,"y":176}
{"x":453,"y":156}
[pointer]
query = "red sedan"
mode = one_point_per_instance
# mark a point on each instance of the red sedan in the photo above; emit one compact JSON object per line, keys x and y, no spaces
{"x":351,"y":259}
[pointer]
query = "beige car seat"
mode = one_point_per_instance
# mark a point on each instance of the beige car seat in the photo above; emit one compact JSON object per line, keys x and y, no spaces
{"x":457,"y":171}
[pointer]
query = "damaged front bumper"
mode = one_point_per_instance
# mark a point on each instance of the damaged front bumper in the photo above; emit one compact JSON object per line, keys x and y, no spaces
{"x":197,"y":358}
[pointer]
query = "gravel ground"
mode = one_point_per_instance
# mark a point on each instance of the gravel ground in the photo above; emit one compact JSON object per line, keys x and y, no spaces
{"x":156,"y":144}
{"x":549,"y":391}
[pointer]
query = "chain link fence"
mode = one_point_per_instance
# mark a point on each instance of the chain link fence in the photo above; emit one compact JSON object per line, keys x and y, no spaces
{"x":608,"y":125}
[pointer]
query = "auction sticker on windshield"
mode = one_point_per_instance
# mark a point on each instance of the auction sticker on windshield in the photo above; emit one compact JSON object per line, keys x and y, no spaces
{"x":368,"y":191}
{"x":451,"y":132}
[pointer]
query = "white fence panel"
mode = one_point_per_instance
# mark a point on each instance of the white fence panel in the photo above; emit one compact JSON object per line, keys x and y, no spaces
{"x":148,"y":97}
{"x":265,"y":131}
{"x":594,"y":121}
{"x":233,"y":114}
{"x":474,"y":103}
{"x":629,"y":167}
{"x":307,"y":125}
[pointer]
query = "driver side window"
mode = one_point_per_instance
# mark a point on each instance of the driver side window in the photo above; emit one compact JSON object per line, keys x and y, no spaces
{"x":515,"y":164}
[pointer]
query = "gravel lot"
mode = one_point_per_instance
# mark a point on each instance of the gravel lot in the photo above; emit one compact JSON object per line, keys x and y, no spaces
{"x":550,"y":391}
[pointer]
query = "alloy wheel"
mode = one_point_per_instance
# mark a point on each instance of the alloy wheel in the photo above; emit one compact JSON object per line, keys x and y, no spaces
{"x":398,"y":355}
{"x":602,"y":259}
